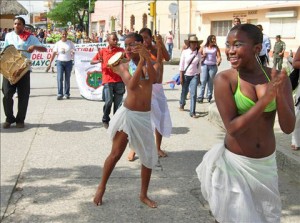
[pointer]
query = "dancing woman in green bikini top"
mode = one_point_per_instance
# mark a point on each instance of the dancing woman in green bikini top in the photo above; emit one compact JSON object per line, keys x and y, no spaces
{"x":239,"y":177}
{"x":249,"y":94}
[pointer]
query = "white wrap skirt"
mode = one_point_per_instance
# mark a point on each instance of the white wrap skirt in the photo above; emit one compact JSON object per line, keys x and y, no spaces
{"x":238,"y":188}
{"x":160,"y":114}
{"x":137,"y":126}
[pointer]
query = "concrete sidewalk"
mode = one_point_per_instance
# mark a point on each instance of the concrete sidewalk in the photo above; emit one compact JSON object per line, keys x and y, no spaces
{"x":50,"y":169}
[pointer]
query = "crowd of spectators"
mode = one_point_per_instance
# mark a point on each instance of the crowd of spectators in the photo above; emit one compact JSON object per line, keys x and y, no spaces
{"x":74,"y":34}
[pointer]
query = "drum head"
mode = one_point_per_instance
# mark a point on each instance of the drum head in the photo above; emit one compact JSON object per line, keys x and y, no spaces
{"x":13,"y":65}
{"x":114,"y":60}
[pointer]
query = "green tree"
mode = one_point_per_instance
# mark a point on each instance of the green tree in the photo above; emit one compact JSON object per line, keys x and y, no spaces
{"x":71,"y":10}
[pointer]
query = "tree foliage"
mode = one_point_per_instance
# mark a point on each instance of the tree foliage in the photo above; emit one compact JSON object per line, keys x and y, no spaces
{"x":71,"y":10}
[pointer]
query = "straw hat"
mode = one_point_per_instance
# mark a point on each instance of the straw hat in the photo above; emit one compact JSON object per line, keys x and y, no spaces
{"x":193,"y":38}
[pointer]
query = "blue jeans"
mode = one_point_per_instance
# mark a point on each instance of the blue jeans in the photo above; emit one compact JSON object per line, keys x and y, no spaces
{"x":208,"y":73}
{"x":170,"y":49}
{"x":64,"y":67}
{"x":113,"y":93}
{"x":189,"y":82}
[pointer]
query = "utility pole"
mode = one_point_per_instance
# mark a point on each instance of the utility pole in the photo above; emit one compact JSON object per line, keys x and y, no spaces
{"x":178,"y":26}
{"x":89,"y":18}
{"x":154,"y":18}
{"x":190,"y":16}
{"x":122,"y":16}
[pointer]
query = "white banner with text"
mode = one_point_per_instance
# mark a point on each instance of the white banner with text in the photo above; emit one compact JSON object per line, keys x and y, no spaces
{"x":40,"y":60}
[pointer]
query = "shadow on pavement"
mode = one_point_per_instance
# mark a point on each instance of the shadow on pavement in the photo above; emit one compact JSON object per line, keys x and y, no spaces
{"x":180,"y":130}
{"x":65,"y":126}
{"x":65,"y":195}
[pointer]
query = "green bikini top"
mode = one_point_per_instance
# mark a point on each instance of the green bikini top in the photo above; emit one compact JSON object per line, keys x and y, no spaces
{"x":244,"y":103}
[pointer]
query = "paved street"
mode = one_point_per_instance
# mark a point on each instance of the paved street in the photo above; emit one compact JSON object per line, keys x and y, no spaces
{"x":50,"y":169}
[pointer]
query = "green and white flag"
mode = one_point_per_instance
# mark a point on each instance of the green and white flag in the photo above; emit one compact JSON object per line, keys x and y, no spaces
{"x":88,"y":77}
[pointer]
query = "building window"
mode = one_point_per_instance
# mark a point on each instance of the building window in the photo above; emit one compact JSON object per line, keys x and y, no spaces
{"x":132,"y":23}
{"x":144,"y":20}
{"x":279,"y":26}
{"x":221,"y":28}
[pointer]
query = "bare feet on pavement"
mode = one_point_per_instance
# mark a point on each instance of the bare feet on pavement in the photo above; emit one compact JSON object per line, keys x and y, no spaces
{"x":98,"y":196}
{"x":148,"y":202}
{"x":295,"y":148}
{"x":131,"y":156}
{"x":162,"y":153}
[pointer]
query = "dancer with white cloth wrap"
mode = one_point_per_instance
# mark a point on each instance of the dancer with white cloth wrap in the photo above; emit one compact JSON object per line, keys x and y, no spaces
{"x":239,"y":177}
{"x":132,"y":122}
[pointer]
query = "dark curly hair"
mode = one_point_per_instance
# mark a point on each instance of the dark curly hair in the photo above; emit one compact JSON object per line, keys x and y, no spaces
{"x":136,"y":36}
{"x":252,"y":31}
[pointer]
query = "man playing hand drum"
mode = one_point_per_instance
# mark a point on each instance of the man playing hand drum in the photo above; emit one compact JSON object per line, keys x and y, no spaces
{"x":26,"y":42}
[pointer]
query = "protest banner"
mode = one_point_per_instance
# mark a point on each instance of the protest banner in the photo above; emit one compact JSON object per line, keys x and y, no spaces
{"x":40,"y":60}
{"x":88,"y":77}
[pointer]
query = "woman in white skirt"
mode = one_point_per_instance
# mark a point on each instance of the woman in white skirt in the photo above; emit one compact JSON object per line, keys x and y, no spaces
{"x":132,"y":122}
{"x":239,"y":177}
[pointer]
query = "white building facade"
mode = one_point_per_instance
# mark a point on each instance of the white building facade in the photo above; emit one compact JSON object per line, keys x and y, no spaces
{"x":201,"y":18}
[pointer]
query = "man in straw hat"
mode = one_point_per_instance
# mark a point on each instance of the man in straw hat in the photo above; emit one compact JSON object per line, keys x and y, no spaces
{"x":189,"y":69}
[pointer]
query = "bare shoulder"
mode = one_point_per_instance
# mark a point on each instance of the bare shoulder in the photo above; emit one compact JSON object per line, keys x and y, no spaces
{"x":225,"y":76}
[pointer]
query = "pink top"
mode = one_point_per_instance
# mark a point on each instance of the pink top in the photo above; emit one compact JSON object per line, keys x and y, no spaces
{"x":169,"y":38}
{"x":185,"y":59}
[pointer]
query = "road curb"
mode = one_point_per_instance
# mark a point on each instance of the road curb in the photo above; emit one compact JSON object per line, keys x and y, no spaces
{"x":288,"y":162}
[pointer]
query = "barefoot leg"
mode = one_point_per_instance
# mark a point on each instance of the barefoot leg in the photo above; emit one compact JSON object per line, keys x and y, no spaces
{"x":98,"y":196}
{"x":146,"y":175}
{"x":148,"y":202}
{"x":158,"y":140}
{"x":161,"y":153}
{"x":131,"y":155}
{"x":118,"y":147}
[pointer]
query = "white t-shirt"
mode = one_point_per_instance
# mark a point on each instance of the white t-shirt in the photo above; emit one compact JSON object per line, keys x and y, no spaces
{"x":64,"y":50}
{"x":266,"y":45}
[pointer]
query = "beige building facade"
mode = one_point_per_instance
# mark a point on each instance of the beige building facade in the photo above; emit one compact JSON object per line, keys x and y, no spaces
{"x":107,"y":16}
{"x":201,"y":18}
